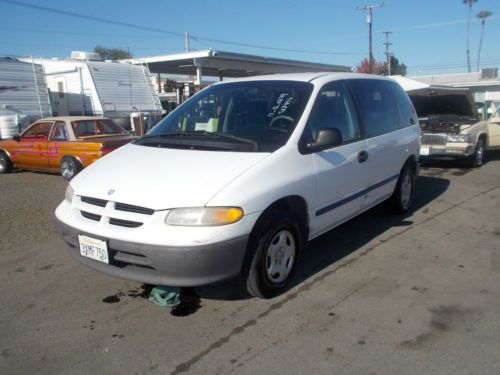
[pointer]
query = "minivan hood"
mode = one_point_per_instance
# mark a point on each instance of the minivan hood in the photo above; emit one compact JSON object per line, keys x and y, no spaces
{"x":161,"y":178}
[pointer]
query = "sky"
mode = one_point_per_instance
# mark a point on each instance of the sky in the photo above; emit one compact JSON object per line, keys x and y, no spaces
{"x":428,"y":36}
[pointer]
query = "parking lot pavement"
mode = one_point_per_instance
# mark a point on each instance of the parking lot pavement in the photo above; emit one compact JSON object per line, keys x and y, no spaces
{"x":381,"y":294}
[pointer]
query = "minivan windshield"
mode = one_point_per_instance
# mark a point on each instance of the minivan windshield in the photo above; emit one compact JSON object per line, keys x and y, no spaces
{"x":257,"y":116}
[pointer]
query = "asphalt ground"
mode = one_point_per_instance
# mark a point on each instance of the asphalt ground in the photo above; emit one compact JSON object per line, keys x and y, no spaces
{"x":381,"y":294}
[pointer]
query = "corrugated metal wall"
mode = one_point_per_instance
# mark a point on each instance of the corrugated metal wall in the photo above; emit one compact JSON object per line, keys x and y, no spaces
{"x":124,"y":87}
{"x":23,"y":96}
{"x":19,"y":92}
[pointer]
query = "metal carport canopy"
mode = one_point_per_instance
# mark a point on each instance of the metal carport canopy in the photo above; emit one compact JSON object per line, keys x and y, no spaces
{"x":227,"y":64}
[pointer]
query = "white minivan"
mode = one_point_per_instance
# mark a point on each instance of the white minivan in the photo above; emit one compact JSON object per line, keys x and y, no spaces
{"x":240,"y":177}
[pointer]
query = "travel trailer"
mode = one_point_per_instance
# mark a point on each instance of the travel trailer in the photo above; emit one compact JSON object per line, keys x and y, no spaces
{"x":23,"y":95}
{"x":85,"y":86}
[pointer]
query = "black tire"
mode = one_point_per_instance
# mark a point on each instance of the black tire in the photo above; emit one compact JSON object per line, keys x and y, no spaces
{"x":5,"y":163}
{"x":266,"y":255}
{"x":402,"y":198}
{"x":70,"y":167}
{"x":477,"y":159}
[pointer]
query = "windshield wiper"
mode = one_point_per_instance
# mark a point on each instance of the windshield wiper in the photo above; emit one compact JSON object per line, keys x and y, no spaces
{"x":199,"y":139}
{"x":189,"y":133}
{"x":226,"y":136}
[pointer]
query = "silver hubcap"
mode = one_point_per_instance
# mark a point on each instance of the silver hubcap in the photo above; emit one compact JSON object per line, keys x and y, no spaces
{"x":67,"y":169}
{"x":479,"y":154}
{"x":3,"y":163}
{"x":280,"y":256}
{"x":406,"y":188}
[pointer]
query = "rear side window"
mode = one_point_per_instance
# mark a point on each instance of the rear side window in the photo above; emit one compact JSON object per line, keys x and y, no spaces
{"x":59,"y":132}
{"x":377,"y":107}
{"x":96,"y":127}
{"x":407,"y":114}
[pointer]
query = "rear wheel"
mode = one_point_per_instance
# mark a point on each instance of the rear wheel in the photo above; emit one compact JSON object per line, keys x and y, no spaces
{"x":70,"y":167}
{"x":402,"y":198}
{"x":274,"y":250}
{"x":5,"y":163}
{"x":477,"y":159}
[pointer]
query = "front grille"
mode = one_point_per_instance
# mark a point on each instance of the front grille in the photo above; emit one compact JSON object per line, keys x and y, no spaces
{"x":115,"y":207}
{"x":124,"y":223}
{"x":124,"y":259}
{"x":94,"y":201}
{"x":135,"y":209}
{"x":91,"y":216}
{"x":433,"y":139}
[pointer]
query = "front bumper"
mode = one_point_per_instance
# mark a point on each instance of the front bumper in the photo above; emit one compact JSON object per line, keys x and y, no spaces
{"x":184,"y":266}
{"x":455,"y":151}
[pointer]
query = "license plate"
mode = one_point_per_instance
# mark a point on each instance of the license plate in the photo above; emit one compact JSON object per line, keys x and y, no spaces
{"x":93,"y":248}
{"x":424,"y":151}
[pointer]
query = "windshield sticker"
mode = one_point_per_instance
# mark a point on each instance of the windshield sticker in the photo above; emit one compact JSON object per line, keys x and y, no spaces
{"x":282,"y":103}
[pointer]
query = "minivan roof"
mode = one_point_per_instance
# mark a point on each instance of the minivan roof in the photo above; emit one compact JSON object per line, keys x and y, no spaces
{"x":304,"y":77}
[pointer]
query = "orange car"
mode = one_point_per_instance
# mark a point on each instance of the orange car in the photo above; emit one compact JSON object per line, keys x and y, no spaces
{"x":62,"y":144}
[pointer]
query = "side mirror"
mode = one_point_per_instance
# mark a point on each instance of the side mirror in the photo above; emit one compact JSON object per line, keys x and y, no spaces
{"x":325,"y":138}
{"x":16,"y":138}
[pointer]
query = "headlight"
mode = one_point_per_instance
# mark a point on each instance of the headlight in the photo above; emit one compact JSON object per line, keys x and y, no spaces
{"x":204,"y":216}
{"x":69,"y":194}
{"x":461,"y":138}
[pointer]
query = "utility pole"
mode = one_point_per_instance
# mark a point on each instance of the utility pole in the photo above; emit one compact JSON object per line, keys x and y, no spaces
{"x":186,"y":42}
{"x":369,"y":17}
{"x":387,"y":53}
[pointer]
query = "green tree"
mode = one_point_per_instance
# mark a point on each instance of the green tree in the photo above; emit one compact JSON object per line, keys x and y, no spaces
{"x":397,"y":68}
{"x":170,"y":85}
{"x":482,"y":15}
{"x":469,"y":3}
{"x":112,"y":53}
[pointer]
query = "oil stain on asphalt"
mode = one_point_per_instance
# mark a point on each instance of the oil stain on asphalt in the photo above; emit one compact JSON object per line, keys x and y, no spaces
{"x":190,"y":301}
{"x":142,"y":292}
{"x":443,"y":319}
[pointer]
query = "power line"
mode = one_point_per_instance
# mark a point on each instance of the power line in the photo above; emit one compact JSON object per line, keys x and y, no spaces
{"x":90,"y":18}
{"x":459,"y":68}
{"x":67,"y":32}
{"x":432,"y":25}
{"x":62,"y":45}
{"x":451,"y":64}
{"x":172,"y":33}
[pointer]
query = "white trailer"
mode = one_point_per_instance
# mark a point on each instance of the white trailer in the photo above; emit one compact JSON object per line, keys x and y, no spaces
{"x":120,"y":91}
{"x":23,"y":95}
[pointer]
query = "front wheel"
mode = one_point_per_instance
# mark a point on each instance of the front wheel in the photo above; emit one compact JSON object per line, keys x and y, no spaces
{"x":403,"y":195}
{"x":477,"y":159}
{"x":70,"y":167}
{"x":274,"y":249}
{"x":5,"y":163}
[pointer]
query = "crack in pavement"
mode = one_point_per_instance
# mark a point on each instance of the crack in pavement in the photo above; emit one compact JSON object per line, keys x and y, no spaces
{"x":185,"y":366}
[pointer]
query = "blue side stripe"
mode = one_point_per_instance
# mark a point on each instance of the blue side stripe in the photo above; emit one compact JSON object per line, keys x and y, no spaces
{"x":350,"y":198}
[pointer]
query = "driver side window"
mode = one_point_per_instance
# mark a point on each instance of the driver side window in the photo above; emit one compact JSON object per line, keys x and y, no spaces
{"x":333,"y":109}
{"x":38,"y":131}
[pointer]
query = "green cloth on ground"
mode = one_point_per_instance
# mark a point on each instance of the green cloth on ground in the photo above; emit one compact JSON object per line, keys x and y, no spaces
{"x":165,"y":296}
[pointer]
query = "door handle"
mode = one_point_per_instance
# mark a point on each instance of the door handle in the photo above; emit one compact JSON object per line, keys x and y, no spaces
{"x":362,"y":156}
